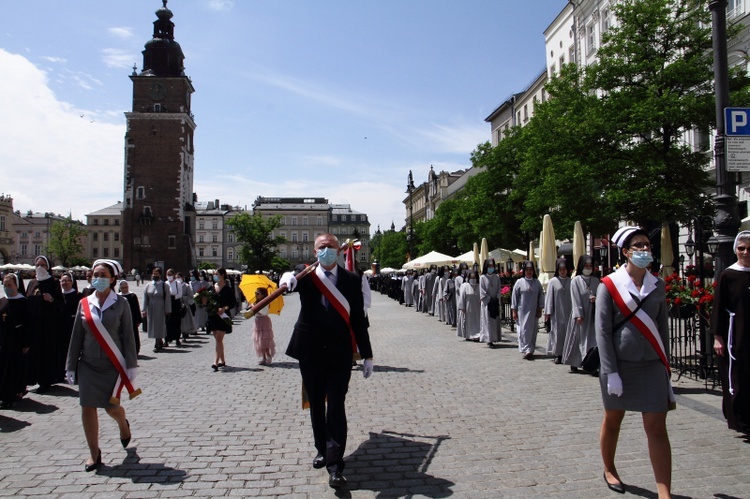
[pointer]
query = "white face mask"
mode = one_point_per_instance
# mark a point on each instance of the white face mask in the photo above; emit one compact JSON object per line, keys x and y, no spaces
{"x":587,"y":272}
{"x":472,"y":280}
{"x":170,"y":278}
{"x":41,"y":273}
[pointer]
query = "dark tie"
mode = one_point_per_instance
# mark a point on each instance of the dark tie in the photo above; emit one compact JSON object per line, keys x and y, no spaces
{"x":328,"y":276}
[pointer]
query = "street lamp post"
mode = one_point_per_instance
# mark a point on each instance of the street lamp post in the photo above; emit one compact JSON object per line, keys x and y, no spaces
{"x":410,"y":191}
{"x":726,"y":220}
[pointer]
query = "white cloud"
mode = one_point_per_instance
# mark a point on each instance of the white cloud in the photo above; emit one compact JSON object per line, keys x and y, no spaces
{"x":59,"y":162}
{"x":122,"y":32}
{"x":60,"y":60}
{"x":220,"y":4}
{"x":118,"y":58}
{"x":458,"y":139}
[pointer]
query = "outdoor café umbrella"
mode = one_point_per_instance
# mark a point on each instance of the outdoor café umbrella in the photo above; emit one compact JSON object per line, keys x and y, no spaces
{"x":579,"y":242}
{"x":548,"y":249}
{"x":667,"y":253}
{"x":484,"y":253}
{"x":251,"y":282}
{"x":476,"y":254}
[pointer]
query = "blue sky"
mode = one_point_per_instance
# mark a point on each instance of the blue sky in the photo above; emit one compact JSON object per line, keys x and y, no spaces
{"x":338,"y":99}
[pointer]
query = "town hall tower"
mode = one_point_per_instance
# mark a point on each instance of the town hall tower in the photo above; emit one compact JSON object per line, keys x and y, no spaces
{"x":158,"y":211}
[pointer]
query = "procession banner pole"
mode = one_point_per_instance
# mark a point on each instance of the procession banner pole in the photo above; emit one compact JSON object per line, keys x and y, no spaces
{"x":278,"y":292}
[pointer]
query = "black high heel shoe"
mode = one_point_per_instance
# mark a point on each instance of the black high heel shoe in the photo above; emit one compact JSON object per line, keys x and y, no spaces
{"x":91,"y":467}
{"x":126,"y":441}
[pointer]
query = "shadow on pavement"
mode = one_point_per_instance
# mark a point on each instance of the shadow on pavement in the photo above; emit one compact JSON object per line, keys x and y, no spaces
{"x":285,"y":365}
{"x":395,"y":464}
{"x":640,"y":492}
{"x":237,"y":369}
{"x":391,"y":369}
{"x":62,"y":391}
{"x":139,"y":472}
{"x":699,"y":391}
{"x":31,"y":405}
{"x":9,"y":425}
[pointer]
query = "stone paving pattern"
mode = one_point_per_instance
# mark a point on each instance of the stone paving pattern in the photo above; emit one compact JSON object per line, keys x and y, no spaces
{"x":439,"y":417}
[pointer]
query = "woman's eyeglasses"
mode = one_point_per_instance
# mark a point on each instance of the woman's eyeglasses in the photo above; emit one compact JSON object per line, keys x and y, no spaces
{"x":641,"y":246}
{"x":743,"y":248}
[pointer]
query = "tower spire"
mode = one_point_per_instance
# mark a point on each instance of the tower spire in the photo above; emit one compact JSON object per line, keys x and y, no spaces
{"x":163,"y":55}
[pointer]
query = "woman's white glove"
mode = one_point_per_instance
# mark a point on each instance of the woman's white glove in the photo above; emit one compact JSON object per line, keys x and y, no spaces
{"x":367,"y":368}
{"x":132,"y":373}
{"x":614,"y":384}
{"x":288,"y":279}
{"x":70,"y":377}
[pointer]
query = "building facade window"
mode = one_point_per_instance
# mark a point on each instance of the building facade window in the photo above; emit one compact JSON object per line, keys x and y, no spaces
{"x":37,"y":235}
{"x":294,"y":237}
{"x":95,"y":236}
{"x":172,"y":241}
{"x":590,"y":39}
{"x":24,"y":249}
{"x":106,"y":253}
{"x":105,"y":236}
{"x":200,"y":251}
{"x":214,"y":251}
{"x":214,"y":225}
{"x":117,"y":236}
{"x":305,"y":237}
{"x":37,"y":249}
{"x":319,"y":220}
{"x":230,"y":238}
{"x":201,"y":225}
{"x":304,"y":220}
{"x":294,"y":220}
{"x":2,"y":222}
{"x":230,"y":255}
{"x":117,"y":252}
{"x":214,"y":238}
{"x":201,"y":238}
{"x":95,"y":252}
{"x":140,"y":193}
{"x":106,"y":221}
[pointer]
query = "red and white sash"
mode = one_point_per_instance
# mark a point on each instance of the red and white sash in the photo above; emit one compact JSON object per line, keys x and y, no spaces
{"x":617,"y":287}
{"x":113,"y":353}
{"x":336,"y":299}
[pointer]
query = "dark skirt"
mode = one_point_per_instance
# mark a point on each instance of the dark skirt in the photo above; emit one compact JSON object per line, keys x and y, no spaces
{"x":216,"y":323}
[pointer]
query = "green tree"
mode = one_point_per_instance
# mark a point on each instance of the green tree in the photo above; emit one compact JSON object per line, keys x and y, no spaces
{"x":390,"y":248}
{"x":610,"y":143}
{"x":65,"y":241}
{"x":254,"y":233}
{"x":206,"y":266}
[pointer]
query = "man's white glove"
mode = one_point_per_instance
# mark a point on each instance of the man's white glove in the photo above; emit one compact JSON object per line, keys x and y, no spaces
{"x":70,"y":377}
{"x":288,"y":279}
{"x":132,"y":373}
{"x":367,"y":368}
{"x":614,"y":384}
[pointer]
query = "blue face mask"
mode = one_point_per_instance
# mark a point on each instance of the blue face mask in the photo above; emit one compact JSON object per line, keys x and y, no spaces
{"x":100,"y":284}
{"x":192,"y":279}
{"x":327,"y":256}
{"x":641,"y":259}
{"x":216,"y":278}
{"x":490,"y":270}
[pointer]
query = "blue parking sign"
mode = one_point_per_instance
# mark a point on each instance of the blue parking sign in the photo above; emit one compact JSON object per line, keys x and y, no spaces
{"x":737,"y":120}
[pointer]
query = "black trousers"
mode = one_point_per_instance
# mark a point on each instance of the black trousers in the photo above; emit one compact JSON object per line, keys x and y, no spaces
{"x":326,"y":385}
{"x":173,"y":323}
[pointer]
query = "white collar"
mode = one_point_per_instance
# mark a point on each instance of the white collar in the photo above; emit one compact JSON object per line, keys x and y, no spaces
{"x":71,"y":290}
{"x":18,"y":296}
{"x":108,"y":302}
{"x":737,"y":266}
{"x":621,"y":277}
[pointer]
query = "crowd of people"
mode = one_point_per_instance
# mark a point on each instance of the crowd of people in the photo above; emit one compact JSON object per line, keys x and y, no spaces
{"x":52,"y":332}
{"x":615,"y":327}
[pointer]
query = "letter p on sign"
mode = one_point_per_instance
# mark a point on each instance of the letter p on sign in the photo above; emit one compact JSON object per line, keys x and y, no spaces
{"x":737,"y":122}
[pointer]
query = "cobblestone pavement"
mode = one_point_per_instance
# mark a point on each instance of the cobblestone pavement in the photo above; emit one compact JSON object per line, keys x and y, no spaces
{"x":439,"y":417}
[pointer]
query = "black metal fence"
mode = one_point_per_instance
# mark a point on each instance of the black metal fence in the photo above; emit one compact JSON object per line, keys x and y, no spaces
{"x":691,"y":345}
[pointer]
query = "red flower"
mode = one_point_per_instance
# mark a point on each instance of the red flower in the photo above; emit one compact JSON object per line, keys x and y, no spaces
{"x":695,"y":293}
{"x":678,"y":301}
{"x":691,"y":278}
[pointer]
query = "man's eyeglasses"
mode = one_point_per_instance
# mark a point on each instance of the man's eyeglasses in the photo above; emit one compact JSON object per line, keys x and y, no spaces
{"x":641,"y":246}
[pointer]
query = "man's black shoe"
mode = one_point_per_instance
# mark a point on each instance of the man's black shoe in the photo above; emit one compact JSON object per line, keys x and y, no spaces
{"x":336,"y":480}
{"x":319,"y":461}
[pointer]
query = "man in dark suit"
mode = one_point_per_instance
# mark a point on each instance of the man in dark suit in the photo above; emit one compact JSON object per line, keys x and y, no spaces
{"x":323,"y":341}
